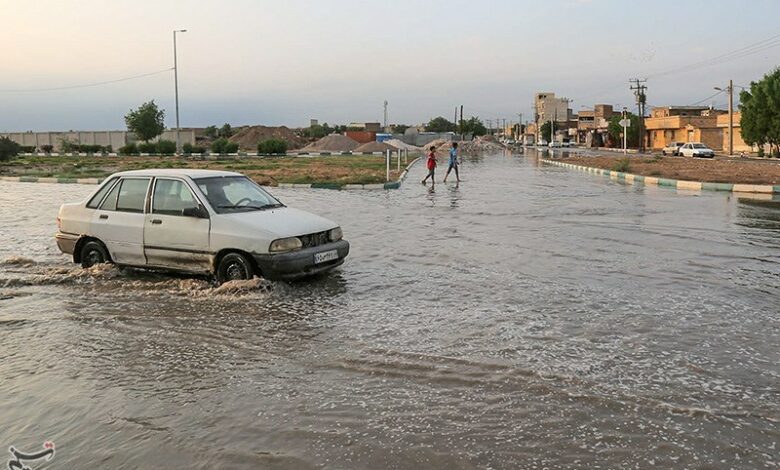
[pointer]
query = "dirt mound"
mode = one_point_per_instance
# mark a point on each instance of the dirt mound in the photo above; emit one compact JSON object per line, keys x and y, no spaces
{"x":374,"y":147}
{"x":248,"y":137}
{"x":332,"y":143}
{"x":485,"y":143}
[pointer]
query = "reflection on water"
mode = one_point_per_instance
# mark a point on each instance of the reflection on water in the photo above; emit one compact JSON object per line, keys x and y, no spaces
{"x":526,"y":317}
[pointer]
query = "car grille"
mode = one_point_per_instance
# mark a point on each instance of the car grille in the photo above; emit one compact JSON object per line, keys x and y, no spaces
{"x":315,"y":239}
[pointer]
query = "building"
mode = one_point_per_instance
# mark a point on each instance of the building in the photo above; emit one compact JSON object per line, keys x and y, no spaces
{"x":593,"y":125}
{"x":547,"y":108}
{"x":739,"y":144}
{"x":684,"y":124}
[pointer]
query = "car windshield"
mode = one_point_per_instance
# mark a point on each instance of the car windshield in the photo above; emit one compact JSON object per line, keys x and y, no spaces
{"x":699,"y":146}
{"x":235,"y":194}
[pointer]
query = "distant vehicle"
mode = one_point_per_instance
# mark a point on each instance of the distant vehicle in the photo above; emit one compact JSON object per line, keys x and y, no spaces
{"x":543,"y":143}
{"x":555,"y":145}
{"x":199,"y":221}
{"x":696,"y":149}
{"x":673,"y":149}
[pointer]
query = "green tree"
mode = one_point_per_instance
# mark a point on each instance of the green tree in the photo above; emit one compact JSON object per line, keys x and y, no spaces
{"x":211,"y":132}
{"x":545,"y":131}
{"x":440,"y":124}
{"x":615,"y":130}
{"x":473,"y":126}
{"x":225,"y":131}
{"x":760,"y":108}
{"x":146,"y":122}
{"x":8,"y":149}
{"x":272,"y":146}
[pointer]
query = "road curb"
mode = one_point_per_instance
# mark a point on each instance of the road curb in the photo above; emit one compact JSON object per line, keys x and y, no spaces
{"x":671,"y":183}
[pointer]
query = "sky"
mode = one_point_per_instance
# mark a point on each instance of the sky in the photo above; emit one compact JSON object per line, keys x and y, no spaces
{"x":283,"y":63}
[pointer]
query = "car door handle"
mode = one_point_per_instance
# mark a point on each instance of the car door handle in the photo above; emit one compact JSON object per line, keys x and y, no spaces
{"x":103,"y":216}
{"x":156,"y":221}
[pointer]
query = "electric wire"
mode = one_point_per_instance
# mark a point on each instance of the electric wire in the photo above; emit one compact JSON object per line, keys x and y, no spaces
{"x":73,"y":87}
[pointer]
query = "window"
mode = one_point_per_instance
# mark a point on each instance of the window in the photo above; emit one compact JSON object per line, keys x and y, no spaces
{"x":171,"y":197}
{"x":95,"y":201}
{"x":109,"y":203}
{"x":132,"y":195}
{"x":235,"y":193}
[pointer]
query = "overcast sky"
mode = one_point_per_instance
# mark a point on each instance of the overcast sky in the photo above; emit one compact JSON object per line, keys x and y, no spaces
{"x":284,"y":62}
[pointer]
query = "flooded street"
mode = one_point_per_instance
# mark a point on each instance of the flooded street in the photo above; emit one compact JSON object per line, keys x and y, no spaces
{"x":533,"y":317}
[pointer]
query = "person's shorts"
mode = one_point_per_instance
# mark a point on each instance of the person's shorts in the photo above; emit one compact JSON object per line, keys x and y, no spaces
{"x":452,"y":165}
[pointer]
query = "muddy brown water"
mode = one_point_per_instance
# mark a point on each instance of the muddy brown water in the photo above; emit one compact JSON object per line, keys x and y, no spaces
{"x":532,"y":317}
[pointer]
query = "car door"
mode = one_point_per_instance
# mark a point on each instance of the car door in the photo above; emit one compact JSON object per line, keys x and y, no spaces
{"x":684,"y":150}
{"x":172,"y":239}
{"x":119,"y":221}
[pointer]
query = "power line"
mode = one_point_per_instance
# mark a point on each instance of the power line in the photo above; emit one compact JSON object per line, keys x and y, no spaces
{"x":706,"y":99}
{"x":107,"y":82}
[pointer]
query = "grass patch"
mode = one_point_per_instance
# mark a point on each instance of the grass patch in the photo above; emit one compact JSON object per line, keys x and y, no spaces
{"x":623,"y":165}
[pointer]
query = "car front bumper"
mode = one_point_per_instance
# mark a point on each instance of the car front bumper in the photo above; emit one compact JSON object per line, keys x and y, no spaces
{"x":299,"y":264}
{"x":66,"y":242}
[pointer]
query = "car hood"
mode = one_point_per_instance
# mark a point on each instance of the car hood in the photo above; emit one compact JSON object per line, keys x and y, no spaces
{"x":282,"y":222}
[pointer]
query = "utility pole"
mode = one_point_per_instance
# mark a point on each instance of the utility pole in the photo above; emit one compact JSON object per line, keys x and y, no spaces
{"x":639,"y":88}
{"x":461,"y":122}
{"x":176,"y":88}
{"x":385,"y":116}
{"x":730,"y":91}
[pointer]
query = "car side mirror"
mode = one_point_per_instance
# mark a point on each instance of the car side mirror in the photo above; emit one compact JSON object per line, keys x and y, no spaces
{"x":199,"y":212}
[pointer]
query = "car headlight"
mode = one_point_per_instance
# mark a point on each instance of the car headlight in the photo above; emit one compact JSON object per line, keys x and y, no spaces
{"x":335,"y":234}
{"x":285,"y":244}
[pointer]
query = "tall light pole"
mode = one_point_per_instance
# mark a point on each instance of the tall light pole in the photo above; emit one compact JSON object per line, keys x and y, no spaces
{"x":730,"y":91}
{"x":176,"y":88}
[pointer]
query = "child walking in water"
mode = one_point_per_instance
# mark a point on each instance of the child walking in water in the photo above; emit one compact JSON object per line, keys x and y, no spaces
{"x":431,"y":166}
{"x":453,"y":162}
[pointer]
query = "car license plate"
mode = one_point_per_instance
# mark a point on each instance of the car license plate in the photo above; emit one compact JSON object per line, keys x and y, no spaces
{"x":326,"y":256}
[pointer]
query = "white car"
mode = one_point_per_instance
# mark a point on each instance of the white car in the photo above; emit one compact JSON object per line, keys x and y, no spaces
{"x":695,"y":149}
{"x":555,"y":145}
{"x":199,"y":221}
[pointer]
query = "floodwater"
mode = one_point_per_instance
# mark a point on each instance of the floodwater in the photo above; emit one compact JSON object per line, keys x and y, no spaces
{"x":533,"y":317}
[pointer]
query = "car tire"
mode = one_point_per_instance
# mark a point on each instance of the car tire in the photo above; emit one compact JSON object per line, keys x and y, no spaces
{"x":234,"y":267}
{"x":92,"y":253}
{"x":664,"y":153}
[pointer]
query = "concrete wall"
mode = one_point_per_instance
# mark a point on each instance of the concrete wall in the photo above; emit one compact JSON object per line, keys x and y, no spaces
{"x":115,"y":139}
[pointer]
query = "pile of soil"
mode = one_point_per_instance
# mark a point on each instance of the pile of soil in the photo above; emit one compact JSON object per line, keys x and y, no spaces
{"x":375,"y":147}
{"x":485,"y":143}
{"x":332,"y":143}
{"x":248,"y":137}
{"x":692,"y":169}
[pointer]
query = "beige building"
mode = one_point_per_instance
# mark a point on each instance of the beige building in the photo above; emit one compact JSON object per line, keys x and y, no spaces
{"x":547,"y":108}
{"x":693,"y":124}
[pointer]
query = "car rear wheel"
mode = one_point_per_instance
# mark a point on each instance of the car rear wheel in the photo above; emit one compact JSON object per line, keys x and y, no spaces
{"x":93,"y":253}
{"x":234,"y":267}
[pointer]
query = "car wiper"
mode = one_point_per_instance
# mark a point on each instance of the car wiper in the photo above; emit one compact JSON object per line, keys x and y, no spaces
{"x":250,"y":206}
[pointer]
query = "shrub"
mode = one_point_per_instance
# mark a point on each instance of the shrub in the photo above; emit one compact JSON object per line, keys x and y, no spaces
{"x":231,"y":147}
{"x":623,"y":165}
{"x":166,"y":147}
{"x":147,"y":147}
{"x":27,"y":148}
{"x":272,"y":146}
{"x":129,"y":149}
{"x":189,"y":149}
{"x":8,"y":149}
{"x":47,"y":148}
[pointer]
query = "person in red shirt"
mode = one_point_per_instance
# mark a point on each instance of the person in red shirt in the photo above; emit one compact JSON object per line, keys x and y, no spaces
{"x":431,"y":166}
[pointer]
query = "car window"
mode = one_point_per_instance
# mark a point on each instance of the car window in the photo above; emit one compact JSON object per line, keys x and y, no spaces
{"x":95,"y":201}
{"x":109,"y":203}
{"x":235,"y":193}
{"x":132,"y":195}
{"x":171,"y":197}
{"x":699,"y":146}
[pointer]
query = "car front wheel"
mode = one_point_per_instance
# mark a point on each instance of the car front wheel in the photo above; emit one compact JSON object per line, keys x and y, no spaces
{"x":93,"y":253}
{"x":234,"y":267}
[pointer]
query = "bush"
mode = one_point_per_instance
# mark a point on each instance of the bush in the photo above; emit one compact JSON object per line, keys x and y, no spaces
{"x":129,"y":149}
{"x":189,"y":149}
{"x":147,"y":147}
{"x":47,"y":148}
{"x":27,"y":148}
{"x":8,"y":149}
{"x":166,"y":147}
{"x":272,"y":146}
{"x":623,"y":165}
{"x":222,"y":146}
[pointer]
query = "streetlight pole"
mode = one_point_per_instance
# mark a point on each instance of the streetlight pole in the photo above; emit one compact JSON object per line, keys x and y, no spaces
{"x":176,"y":88}
{"x":625,"y":130}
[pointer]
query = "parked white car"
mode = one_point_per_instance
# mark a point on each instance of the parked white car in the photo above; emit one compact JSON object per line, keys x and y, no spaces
{"x":695,"y":149}
{"x":198,"y":221}
{"x":673,"y":149}
{"x":555,"y":145}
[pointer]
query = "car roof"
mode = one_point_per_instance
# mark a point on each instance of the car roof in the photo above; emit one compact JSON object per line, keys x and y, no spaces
{"x":180,"y":172}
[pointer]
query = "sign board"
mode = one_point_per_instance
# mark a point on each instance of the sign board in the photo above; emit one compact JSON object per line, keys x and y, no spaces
{"x":625,"y":123}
